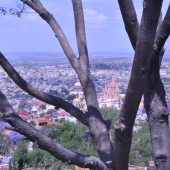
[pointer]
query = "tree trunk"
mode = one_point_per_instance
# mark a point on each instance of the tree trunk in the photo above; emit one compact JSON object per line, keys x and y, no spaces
{"x":99,"y":130}
{"x":157,"y":112}
{"x":143,"y":55}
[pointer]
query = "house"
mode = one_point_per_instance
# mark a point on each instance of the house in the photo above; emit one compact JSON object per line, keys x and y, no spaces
{"x":66,"y":116}
{"x":130,"y":168}
{"x":40,"y":121}
{"x":24,"y":114}
{"x":136,"y":168}
{"x":77,"y":90}
{"x":4,"y":162}
{"x":44,"y":121}
{"x":38,"y":105}
{"x":4,"y":167}
{"x":78,"y":168}
{"x":49,"y":107}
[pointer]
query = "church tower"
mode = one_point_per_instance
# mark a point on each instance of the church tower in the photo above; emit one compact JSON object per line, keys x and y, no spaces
{"x":111,"y":91}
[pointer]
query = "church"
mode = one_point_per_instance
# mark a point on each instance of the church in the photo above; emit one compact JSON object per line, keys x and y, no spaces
{"x":111,"y":91}
{"x":111,"y":95}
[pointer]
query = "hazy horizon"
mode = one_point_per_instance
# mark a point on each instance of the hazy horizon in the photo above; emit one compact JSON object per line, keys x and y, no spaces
{"x":105,"y":30}
{"x":91,"y":54}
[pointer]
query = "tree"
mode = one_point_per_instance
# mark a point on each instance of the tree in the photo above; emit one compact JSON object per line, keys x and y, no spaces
{"x":141,"y":147}
{"x":21,"y":154}
{"x":68,"y":134}
{"x":148,"y":40}
{"x":77,"y":137}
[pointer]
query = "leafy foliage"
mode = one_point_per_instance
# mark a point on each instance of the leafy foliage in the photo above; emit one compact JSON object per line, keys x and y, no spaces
{"x":77,"y":137}
{"x":6,"y":145}
{"x":141,"y":151}
{"x":21,"y":155}
{"x":73,"y":136}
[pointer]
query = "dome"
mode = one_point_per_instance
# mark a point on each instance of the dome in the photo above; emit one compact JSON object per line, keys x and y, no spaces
{"x":77,"y":84}
{"x":76,"y":100}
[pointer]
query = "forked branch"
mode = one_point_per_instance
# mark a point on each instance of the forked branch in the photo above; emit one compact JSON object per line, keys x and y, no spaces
{"x":81,"y":69}
{"x":163,"y":33}
{"x":80,"y":31}
{"x":97,"y":126}
{"x":37,"y":6}
{"x":142,"y":59}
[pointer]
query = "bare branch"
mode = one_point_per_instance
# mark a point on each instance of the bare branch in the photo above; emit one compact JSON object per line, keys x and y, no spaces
{"x":163,"y":32}
{"x":49,"y":18}
{"x":80,"y":31}
{"x":95,"y":121}
{"x":13,"y":11}
{"x":98,"y":127}
{"x":81,"y":69}
{"x":45,"y":97}
{"x":8,"y":114}
{"x":153,"y":80}
{"x":130,"y":20}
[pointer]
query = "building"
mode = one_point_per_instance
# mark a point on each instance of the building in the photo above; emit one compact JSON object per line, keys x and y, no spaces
{"x":79,"y":101}
{"x":137,"y":168}
{"x":43,"y":121}
{"x":24,"y":114}
{"x":111,"y":95}
{"x":111,"y":90}
{"x":4,"y":167}
{"x":66,"y":116}
{"x":39,"y":105}
{"x":78,"y":168}
{"x":77,"y":90}
{"x":130,"y":168}
{"x":4,"y":162}
{"x":77,"y":87}
{"x":40,"y":121}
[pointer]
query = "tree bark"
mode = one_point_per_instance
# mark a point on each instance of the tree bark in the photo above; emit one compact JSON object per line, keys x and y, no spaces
{"x":8,"y":114}
{"x":130,"y":20}
{"x":99,"y":129}
{"x":163,"y":33}
{"x":144,"y":76}
{"x":97,"y":125}
{"x":155,"y":101}
{"x":143,"y":53}
{"x":158,"y":116}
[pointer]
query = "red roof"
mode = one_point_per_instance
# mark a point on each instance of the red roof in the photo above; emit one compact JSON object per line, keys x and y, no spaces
{"x":23,"y":112}
{"x":47,"y":117}
{"x":38,"y":103}
{"x":63,"y":114}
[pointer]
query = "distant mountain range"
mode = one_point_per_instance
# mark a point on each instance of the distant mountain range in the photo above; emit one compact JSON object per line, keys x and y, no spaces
{"x":52,"y":57}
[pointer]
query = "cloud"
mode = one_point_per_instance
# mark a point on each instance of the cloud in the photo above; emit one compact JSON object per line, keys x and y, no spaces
{"x":4,"y":2}
{"x":94,"y":17}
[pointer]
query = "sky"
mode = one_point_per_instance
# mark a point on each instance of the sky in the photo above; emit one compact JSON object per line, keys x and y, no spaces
{"x":104,"y":27}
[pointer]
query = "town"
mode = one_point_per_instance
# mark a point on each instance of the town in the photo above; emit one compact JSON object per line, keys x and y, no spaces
{"x":110,"y":76}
